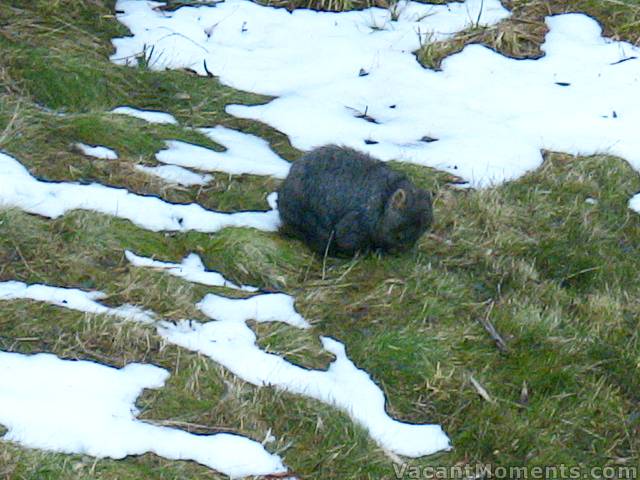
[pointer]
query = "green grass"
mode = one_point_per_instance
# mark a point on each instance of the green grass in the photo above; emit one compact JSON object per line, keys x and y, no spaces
{"x":557,"y":276}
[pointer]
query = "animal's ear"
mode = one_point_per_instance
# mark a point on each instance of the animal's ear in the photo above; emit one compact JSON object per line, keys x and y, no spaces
{"x":398,"y":199}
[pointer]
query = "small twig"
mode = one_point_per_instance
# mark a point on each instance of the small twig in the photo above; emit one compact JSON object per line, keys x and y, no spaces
{"x":586,"y":270}
{"x":326,"y":254}
{"x":209,"y":74}
{"x":191,"y":426}
{"x":364,"y":116}
{"x":491,"y":330}
{"x":480,"y":389}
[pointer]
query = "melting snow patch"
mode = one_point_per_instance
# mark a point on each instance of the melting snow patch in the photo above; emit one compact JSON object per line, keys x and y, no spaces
{"x":176,"y":175}
{"x":150,"y":116}
{"x":355,"y":81}
{"x":245,"y":154}
{"x":100,"y":152}
{"x":73,"y":299}
{"x":86,"y":408}
{"x":250,"y":47}
{"x":229,"y":341}
{"x":191,"y":269}
{"x":19,"y":189}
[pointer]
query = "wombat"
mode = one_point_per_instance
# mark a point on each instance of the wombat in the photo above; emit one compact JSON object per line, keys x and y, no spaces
{"x":340,"y":201}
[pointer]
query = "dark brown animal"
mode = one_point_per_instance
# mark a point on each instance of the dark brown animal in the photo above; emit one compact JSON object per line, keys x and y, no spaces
{"x":340,"y":201}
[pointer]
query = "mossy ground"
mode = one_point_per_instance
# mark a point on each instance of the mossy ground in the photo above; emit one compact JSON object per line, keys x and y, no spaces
{"x":556,"y":275}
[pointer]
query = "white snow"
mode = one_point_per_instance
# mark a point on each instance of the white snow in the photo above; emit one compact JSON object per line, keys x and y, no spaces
{"x":244,"y":153}
{"x":19,"y":189}
{"x":191,"y":269}
{"x":230,"y":342}
{"x":176,"y":175}
{"x":86,"y":408}
{"x":267,"y":307}
{"x":272,"y":200}
{"x":147,"y":115}
{"x":491,"y":115}
{"x":73,"y":299}
{"x":98,"y":151}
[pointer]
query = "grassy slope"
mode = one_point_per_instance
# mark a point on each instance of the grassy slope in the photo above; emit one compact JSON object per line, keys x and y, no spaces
{"x":557,"y":276}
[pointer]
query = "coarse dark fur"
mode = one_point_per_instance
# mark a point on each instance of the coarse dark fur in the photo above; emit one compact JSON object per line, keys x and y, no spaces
{"x":341,"y":201}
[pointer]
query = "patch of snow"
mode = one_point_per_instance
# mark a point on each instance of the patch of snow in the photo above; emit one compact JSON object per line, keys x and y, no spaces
{"x":356,"y":82}
{"x":333,"y":92}
{"x":461,"y":186}
{"x":250,"y":47}
{"x":150,"y":116}
{"x":229,"y":341}
{"x":73,"y":299}
{"x":272,"y":200}
{"x":244,"y":153}
{"x":86,"y":408}
{"x":191,"y":269}
{"x":100,"y":152}
{"x":18,"y":188}
{"x":176,"y":175}
{"x":267,"y":307}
